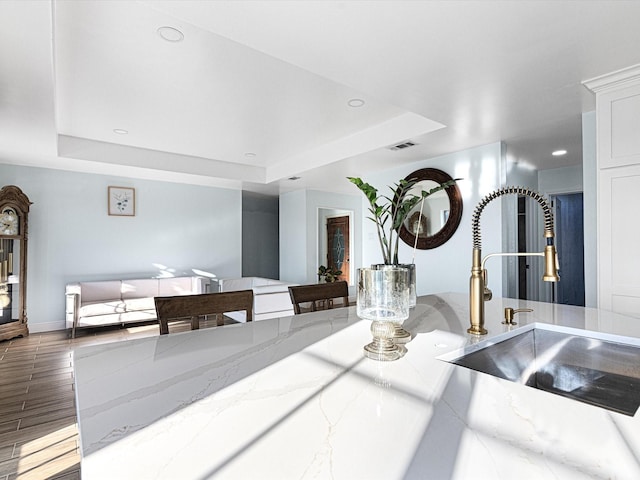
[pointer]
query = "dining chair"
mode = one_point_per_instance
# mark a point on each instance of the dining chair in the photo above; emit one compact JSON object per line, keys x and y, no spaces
{"x":320,"y":295}
{"x":193,"y":307}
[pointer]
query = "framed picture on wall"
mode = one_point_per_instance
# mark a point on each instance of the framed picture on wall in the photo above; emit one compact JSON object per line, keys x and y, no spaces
{"x":122,"y":201}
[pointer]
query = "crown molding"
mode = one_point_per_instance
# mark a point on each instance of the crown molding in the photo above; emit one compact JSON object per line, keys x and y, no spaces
{"x":614,"y":80}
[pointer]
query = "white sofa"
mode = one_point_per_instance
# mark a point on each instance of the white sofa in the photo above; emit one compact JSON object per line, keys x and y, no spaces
{"x":270,"y":297}
{"x":112,"y":302}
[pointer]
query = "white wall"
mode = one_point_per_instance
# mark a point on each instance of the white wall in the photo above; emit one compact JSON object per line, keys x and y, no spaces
{"x":521,"y":175}
{"x":300,"y":231}
{"x":560,"y":180}
{"x":176,"y":228}
{"x":590,"y":198}
{"x":448,"y":267}
{"x":293,"y":236}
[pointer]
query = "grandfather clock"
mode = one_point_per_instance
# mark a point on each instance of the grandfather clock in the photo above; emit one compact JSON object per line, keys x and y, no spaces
{"x":14,"y":212}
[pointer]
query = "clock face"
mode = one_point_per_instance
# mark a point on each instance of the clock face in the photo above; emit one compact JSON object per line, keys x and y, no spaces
{"x":8,"y":222}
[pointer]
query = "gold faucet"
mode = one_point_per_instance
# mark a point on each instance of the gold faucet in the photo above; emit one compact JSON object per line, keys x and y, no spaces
{"x":478,"y":290}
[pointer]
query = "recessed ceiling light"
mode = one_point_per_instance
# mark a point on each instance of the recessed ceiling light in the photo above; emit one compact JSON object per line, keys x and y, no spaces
{"x":249,"y":154}
{"x":120,"y":131}
{"x":171,"y":34}
{"x":356,"y":102}
{"x":294,"y":178}
{"x":559,"y":153}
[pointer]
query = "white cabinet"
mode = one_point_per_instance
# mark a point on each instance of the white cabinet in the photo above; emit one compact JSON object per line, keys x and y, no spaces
{"x":618,"y":150}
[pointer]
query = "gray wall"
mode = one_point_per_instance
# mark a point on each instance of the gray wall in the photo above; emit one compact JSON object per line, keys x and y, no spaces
{"x":260,"y":254}
{"x":177,"y":228}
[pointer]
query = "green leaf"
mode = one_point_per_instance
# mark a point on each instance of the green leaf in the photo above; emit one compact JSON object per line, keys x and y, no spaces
{"x":369,"y":191}
{"x":393,"y":208}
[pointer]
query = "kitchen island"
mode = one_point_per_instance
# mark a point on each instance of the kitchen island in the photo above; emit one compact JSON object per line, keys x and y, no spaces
{"x":294,"y":397}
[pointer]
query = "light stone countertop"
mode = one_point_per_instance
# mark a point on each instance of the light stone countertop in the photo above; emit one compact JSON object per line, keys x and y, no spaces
{"x":294,"y":398}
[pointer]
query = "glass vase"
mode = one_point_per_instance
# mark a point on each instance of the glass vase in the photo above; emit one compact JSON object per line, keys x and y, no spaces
{"x":383,"y":298}
{"x":400,"y":335}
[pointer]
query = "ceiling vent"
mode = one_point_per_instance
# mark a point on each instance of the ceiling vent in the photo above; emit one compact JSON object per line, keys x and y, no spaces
{"x":402,"y":146}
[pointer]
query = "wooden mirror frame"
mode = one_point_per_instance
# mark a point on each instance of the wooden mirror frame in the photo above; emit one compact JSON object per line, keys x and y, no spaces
{"x":455,"y":211}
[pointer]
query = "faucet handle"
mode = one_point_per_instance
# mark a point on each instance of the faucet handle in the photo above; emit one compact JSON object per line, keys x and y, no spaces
{"x":509,"y":313}
{"x":487,"y":293}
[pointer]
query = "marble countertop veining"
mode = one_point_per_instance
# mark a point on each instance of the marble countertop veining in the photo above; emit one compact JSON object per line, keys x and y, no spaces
{"x":295,"y":398}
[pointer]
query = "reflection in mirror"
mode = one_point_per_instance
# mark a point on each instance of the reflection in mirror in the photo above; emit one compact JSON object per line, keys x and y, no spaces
{"x":432,"y":222}
{"x":425,"y":220}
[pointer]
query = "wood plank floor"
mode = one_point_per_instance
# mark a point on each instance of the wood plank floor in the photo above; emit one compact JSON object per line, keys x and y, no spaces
{"x":38,"y":427}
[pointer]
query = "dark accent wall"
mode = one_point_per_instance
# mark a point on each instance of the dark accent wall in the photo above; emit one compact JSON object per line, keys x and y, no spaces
{"x":260,"y":236}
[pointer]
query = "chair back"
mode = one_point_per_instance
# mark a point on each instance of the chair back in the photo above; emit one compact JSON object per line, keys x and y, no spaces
{"x":320,"y":295}
{"x":195,"y":306}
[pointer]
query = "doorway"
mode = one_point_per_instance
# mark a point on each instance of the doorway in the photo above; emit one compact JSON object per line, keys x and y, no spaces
{"x":338,"y":245}
{"x":569,"y":230}
{"x":570,"y":246}
{"x":523,"y":264}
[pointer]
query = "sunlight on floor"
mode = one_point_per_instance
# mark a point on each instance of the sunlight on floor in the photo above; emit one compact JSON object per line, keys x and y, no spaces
{"x":50,"y":455}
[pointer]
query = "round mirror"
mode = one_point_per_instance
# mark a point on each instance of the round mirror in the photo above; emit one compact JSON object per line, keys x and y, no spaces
{"x":432,"y":222}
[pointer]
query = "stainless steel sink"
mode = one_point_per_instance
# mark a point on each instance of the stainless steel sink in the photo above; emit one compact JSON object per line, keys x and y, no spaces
{"x":570,"y":363}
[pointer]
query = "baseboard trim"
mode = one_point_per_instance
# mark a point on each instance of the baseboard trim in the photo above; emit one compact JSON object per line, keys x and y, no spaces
{"x":45,"y":327}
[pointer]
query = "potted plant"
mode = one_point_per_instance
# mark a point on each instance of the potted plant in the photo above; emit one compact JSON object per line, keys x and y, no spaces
{"x":389,"y":213}
{"x":328,"y":274}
